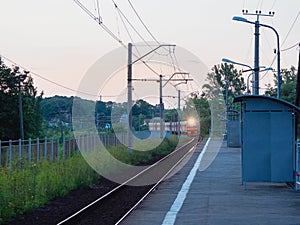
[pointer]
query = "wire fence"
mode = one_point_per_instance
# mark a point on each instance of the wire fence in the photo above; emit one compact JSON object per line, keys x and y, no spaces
{"x":51,"y":149}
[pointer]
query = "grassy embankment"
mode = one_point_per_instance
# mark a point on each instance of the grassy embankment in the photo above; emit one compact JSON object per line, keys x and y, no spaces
{"x":25,"y":187}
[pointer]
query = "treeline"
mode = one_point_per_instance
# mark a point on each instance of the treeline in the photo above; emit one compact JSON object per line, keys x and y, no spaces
{"x":18,"y":92}
{"x":53,"y":115}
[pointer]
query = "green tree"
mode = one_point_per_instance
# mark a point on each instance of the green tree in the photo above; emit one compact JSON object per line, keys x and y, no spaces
{"x":216,"y":82}
{"x":288,"y":85}
{"x":13,"y":81}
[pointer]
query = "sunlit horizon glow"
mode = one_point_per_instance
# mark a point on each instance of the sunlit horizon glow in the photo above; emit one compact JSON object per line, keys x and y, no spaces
{"x":60,"y":42}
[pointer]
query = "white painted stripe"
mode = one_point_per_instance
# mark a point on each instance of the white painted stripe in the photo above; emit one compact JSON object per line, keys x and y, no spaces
{"x":177,"y":204}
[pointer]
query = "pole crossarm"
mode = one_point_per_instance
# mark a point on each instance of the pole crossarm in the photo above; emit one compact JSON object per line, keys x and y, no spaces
{"x":157,"y":80}
{"x":176,"y":73}
{"x":153,"y":50}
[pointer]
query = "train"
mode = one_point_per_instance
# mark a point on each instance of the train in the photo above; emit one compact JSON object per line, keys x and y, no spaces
{"x":190,"y":127}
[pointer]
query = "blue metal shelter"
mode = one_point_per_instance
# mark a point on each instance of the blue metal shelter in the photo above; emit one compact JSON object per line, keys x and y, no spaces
{"x":268,"y":141}
{"x":233,"y":130}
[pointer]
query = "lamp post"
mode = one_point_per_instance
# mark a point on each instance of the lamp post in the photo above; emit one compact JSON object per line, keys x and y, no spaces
{"x":226,"y":103}
{"x":265,"y":69}
{"x":250,"y":69}
{"x":257,"y":25}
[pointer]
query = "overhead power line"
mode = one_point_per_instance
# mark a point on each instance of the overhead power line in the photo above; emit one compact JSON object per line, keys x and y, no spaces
{"x":130,"y":24}
{"x":50,"y":81}
{"x":291,"y":47}
{"x":99,"y":21}
{"x":292,"y":26}
{"x":140,"y":19}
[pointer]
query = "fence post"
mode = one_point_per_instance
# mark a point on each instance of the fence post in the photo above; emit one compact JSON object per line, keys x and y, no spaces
{"x":52,"y":150}
{"x":10,"y":152}
{"x":69,"y":148}
{"x":45,"y":149}
{"x":82,"y":144}
{"x":0,"y":154}
{"x":37,"y":150}
{"x":57,"y":154}
{"x":64,"y":147}
{"x":20,"y":149}
{"x":78,"y":143}
{"x":29,"y":150}
{"x":94,"y":142}
{"x":87,"y":143}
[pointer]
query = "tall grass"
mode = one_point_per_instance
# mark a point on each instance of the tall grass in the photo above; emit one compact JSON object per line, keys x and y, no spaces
{"x":32,"y":185}
{"x":25,"y":186}
{"x":135,"y":157}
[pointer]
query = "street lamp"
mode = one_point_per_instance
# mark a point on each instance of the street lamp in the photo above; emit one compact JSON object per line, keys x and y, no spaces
{"x":250,"y":69}
{"x":265,"y":69}
{"x":226,"y":103}
{"x":257,"y":25}
{"x":237,"y":63}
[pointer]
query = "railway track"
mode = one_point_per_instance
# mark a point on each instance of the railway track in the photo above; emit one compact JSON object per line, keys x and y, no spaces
{"x":115,"y":205}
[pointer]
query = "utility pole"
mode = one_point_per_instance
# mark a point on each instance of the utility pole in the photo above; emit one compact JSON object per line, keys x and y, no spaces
{"x":129,"y":102}
{"x":258,"y":13}
{"x":255,"y":90}
{"x":21,"y":108}
{"x":178,"y":127}
{"x":161,"y":105}
{"x":297,"y":100}
{"x":21,"y":113}
{"x":161,"y":108}
{"x":199,"y":114}
{"x":129,"y":87}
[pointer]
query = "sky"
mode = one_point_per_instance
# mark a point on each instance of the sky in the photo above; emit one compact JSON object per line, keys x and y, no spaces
{"x":57,"y":40}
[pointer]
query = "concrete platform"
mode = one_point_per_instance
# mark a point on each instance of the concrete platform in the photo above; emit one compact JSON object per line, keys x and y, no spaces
{"x":216,"y":196}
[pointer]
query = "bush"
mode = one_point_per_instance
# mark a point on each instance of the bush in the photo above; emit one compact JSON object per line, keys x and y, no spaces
{"x":33,"y":185}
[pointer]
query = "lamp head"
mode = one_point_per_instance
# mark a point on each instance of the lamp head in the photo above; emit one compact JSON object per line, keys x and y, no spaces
{"x":238,"y":18}
{"x":226,"y":60}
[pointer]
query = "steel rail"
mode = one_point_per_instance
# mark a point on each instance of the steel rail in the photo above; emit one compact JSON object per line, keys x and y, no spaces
{"x":123,"y":184}
{"x":158,"y":183}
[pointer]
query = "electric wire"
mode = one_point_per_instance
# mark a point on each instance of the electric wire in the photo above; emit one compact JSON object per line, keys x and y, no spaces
{"x":147,"y":29}
{"x":135,"y":30}
{"x":52,"y":82}
{"x":292,"y":26}
{"x":121,"y":14}
{"x":100,"y":22}
{"x":98,"y":10}
{"x":260,"y":5}
{"x":126,"y":29}
{"x":257,"y":7}
{"x":273,"y":5}
{"x":130,"y":24}
{"x":140,"y":19}
{"x":291,"y":47}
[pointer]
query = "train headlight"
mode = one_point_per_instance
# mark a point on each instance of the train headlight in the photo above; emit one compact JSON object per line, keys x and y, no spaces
{"x":192,"y":121}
